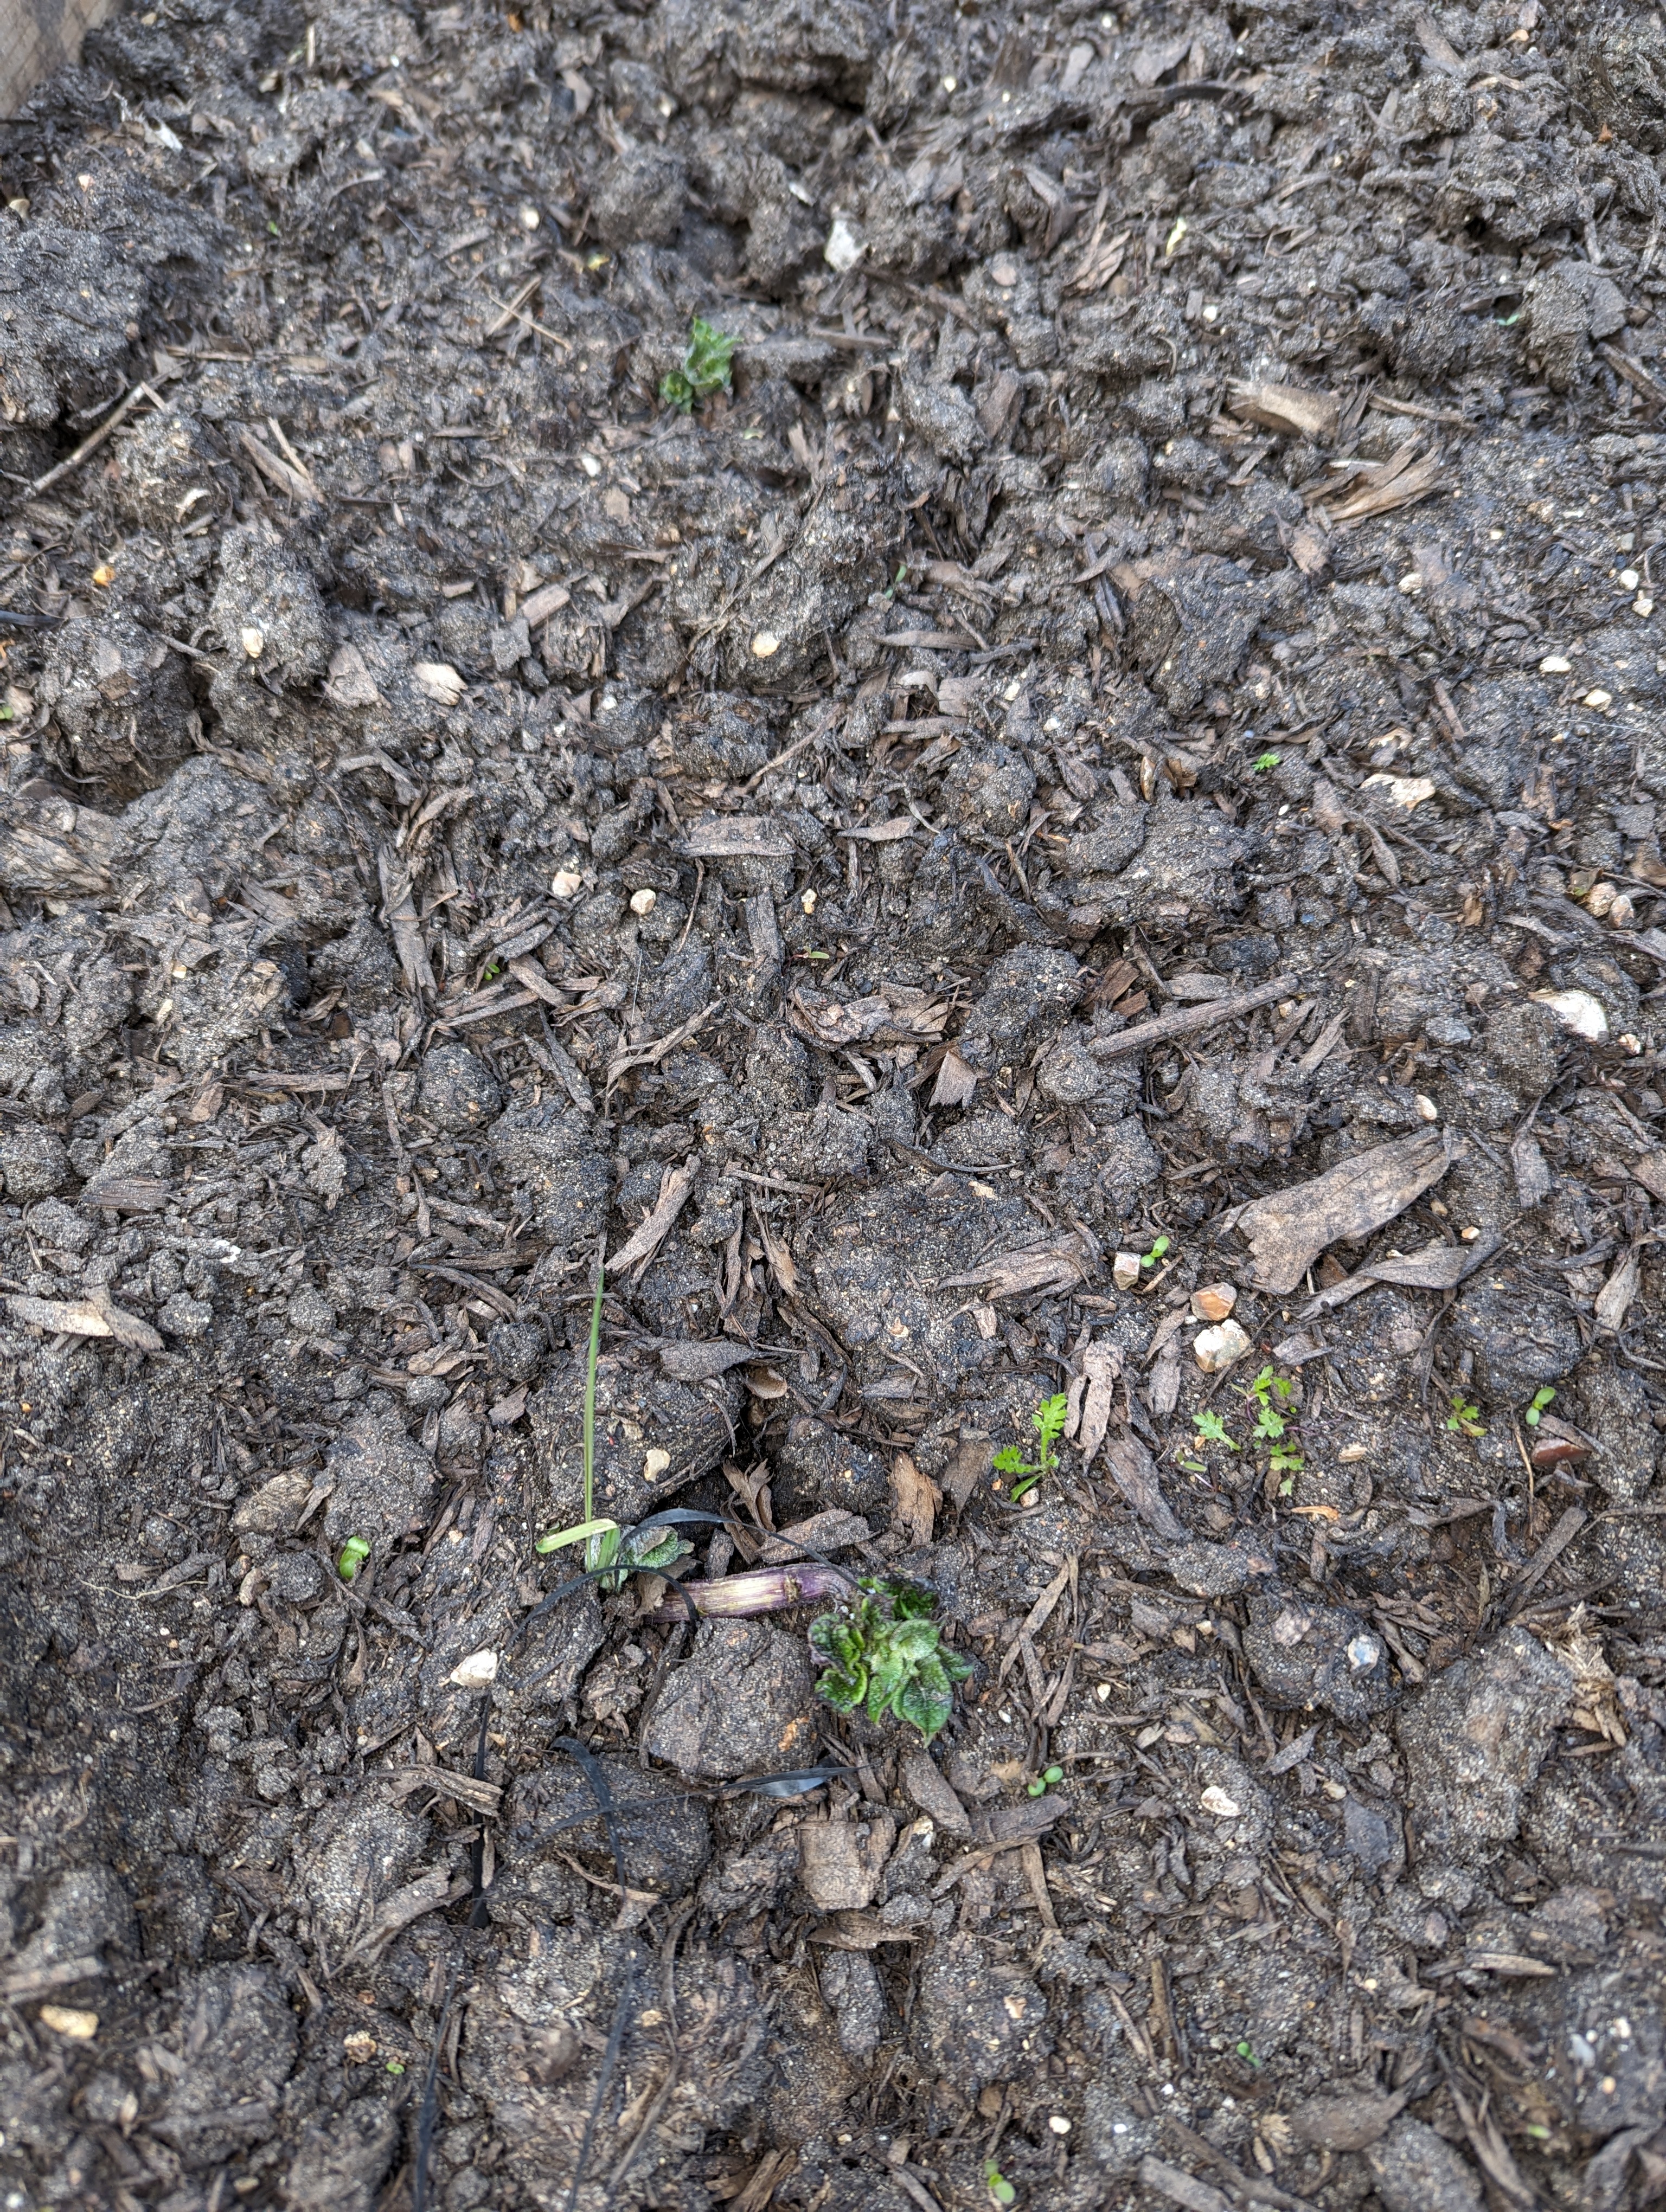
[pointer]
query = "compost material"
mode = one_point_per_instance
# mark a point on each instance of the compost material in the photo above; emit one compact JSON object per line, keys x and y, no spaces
{"x":1074,"y":817}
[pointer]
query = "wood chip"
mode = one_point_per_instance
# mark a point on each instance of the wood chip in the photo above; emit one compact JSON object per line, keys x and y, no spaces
{"x":640,"y":1247}
{"x":1188,"y":1021}
{"x":85,"y":1317}
{"x":915,"y":1500}
{"x":1289,"y":1230}
{"x":1289,"y":409}
{"x":1134,"y":1471}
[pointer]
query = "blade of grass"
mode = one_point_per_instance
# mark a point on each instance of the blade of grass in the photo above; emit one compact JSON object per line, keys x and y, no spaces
{"x":590,"y":1391}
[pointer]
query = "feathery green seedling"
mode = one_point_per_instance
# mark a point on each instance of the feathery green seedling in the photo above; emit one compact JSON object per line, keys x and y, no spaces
{"x":354,"y":1553}
{"x":1540,"y":1399}
{"x":1263,"y":761}
{"x":1047,"y":1420}
{"x":706,"y":367}
{"x":1266,"y":1394}
{"x":883,"y":1653}
{"x":1211,"y":1430}
{"x":1464,"y":1420}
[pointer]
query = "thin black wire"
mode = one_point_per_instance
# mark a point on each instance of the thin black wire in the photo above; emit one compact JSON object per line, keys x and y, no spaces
{"x":590,"y":1766}
{"x":427,"y":2110}
{"x":609,"y":2062}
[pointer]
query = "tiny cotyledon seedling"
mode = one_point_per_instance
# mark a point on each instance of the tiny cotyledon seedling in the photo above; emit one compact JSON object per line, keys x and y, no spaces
{"x":1048,"y":1421}
{"x":707,"y":368}
{"x":883,"y":1653}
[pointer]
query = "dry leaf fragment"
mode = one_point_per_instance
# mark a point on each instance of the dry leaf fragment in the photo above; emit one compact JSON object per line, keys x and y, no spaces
{"x":1288,"y":1229}
{"x":1214,"y":1799}
{"x":915,"y":1499}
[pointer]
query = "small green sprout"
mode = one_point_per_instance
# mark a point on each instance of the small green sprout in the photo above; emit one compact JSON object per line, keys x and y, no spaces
{"x":1246,"y":2052}
{"x":493,"y":971}
{"x":354,"y":1553}
{"x":1049,"y":1778}
{"x":1160,"y":1245}
{"x":1464,"y":1419}
{"x":883,"y":1653}
{"x":1538,"y":2131}
{"x":1540,"y":1399}
{"x":1265,"y":1394}
{"x":1047,"y":1420}
{"x":1000,"y":2190}
{"x":396,"y":2066}
{"x":1263,"y":761}
{"x":706,"y":367}
{"x":1211,"y":1430}
{"x":631,"y":1550}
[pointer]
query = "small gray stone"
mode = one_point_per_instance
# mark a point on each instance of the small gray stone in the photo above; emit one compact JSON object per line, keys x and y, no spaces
{"x":741,"y":1704}
{"x":33,"y":1162}
{"x":1475,"y":1740}
{"x":1416,"y":2172}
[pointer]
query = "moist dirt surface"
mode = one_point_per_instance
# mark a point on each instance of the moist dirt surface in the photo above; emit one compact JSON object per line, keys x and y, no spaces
{"x":1087,"y":829}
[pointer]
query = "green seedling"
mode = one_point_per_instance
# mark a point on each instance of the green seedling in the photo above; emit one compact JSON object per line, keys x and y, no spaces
{"x":1160,"y":1245}
{"x":354,"y":1553}
{"x":1266,"y":1394}
{"x":707,"y":368}
{"x":1246,"y":2051}
{"x":1540,"y":1399}
{"x":1464,"y":1420}
{"x":1263,"y":761}
{"x":1211,"y":1430}
{"x":605,"y":1543}
{"x":1047,"y":1420}
{"x":883,"y":1653}
{"x":1049,"y":1778}
{"x":1000,"y":2190}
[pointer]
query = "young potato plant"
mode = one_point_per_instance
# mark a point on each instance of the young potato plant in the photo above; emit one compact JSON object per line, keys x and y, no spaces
{"x":883,"y":1653}
{"x":707,"y":368}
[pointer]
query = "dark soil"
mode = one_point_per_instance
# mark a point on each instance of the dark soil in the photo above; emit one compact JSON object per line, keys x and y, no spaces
{"x":1177,"y":550}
